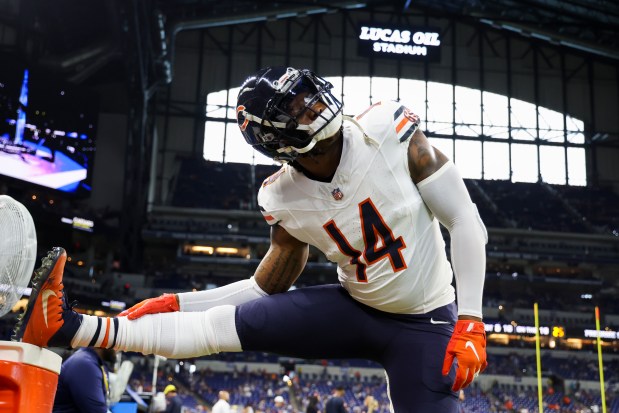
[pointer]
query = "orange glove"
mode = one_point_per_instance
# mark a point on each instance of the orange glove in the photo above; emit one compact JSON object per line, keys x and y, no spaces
{"x":167,"y":303}
{"x":468,"y":345}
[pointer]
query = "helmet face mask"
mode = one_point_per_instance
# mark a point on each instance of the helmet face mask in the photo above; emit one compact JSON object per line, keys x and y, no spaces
{"x":271,"y":103}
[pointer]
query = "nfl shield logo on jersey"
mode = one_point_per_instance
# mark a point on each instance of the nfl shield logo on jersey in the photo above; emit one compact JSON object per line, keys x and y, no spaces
{"x":337,"y":194}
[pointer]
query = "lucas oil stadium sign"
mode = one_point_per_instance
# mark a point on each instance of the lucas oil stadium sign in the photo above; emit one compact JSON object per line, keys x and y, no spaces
{"x":421,"y":43}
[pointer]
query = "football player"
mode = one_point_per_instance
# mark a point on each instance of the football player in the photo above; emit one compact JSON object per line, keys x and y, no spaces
{"x":369,"y":191}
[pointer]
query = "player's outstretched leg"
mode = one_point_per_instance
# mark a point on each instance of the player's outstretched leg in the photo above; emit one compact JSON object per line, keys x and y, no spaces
{"x":49,"y":321}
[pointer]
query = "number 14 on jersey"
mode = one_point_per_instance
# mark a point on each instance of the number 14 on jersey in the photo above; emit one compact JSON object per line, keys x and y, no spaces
{"x":374,"y":229}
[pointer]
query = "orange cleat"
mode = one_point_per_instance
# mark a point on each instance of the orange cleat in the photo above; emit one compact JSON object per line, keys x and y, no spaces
{"x":48,"y":321}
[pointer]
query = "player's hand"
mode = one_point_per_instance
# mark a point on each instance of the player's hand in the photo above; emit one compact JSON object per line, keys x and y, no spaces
{"x":468,"y":346}
{"x":167,"y":303}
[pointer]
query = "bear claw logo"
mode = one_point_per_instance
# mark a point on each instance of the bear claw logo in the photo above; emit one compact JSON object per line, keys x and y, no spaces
{"x":242,"y":120}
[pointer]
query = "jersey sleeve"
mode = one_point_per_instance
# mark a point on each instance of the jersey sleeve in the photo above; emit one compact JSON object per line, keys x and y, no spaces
{"x":266,"y":194}
{"x":269,"y":217}
{"x":405,"y":123}
{"x":389,"y":122}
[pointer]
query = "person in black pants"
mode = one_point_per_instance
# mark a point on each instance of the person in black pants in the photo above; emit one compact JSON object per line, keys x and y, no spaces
{"x":173,"y":401}
{"x":312,"y":406}
{"x":336,"y":403}
{"x":83,"y":384}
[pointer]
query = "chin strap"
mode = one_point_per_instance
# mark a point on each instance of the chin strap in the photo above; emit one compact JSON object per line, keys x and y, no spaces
{"x":323,"y":129}
{"x":366,"y":137}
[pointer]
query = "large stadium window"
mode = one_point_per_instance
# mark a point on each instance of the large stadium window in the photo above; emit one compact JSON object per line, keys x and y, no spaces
{"x":577,"y":174}
{"x":523,"y":120}
{"x":496,"y":160}
{"x":445,"y":145}
{"x":413,"y":94}
{"x":440,"y":108}
{"x":384,"y":88}
{"x":336,"y":81}
{"x":216,"y":104}
{"x":468,"y":154}
{"x":468,"y":111}
{"x":550,"y":125}
{"x":237,"y":150}
{"x":524,"y":163}
{"x":502,"y":118}
{"x":552,"y":164}
{"x":496,"y":116}
{"x":575,"y":130}
{"x":356,"y":94}
{"x":232,"y":96}
{"x":214,"y":139}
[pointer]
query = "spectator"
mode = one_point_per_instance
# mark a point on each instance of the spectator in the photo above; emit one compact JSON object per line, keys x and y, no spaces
{"x":280,"y":404}
{"x":312,"y":406}
{"x":83,"y":384}
{"x":336,"y":403}
{"x":222,"y":405}
{"x":173,"y":401}
{"x":371,"y":404}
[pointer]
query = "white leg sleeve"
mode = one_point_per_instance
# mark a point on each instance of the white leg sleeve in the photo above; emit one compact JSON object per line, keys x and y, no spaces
{"x":180,"y":335}
{"x":236,"y":293}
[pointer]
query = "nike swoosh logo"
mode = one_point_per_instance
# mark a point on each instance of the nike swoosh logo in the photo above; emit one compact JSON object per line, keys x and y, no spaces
{"x":438,"y":321}
{"x":470,"y":344}
{"x":46,"y":294}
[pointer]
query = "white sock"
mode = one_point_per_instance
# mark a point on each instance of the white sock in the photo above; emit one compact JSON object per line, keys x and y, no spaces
{"x":174,"y":335}
{"x":96,"y":332}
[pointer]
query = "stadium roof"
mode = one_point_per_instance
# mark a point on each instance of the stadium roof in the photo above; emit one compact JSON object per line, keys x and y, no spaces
{"x":80,"y":37}
{"x":589,"y":25}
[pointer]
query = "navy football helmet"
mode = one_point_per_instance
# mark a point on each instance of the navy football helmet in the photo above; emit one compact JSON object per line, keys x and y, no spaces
{"x":269,"y":122}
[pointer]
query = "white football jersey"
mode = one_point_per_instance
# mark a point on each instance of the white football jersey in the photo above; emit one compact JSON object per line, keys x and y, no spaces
{"x":370,"y":219}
